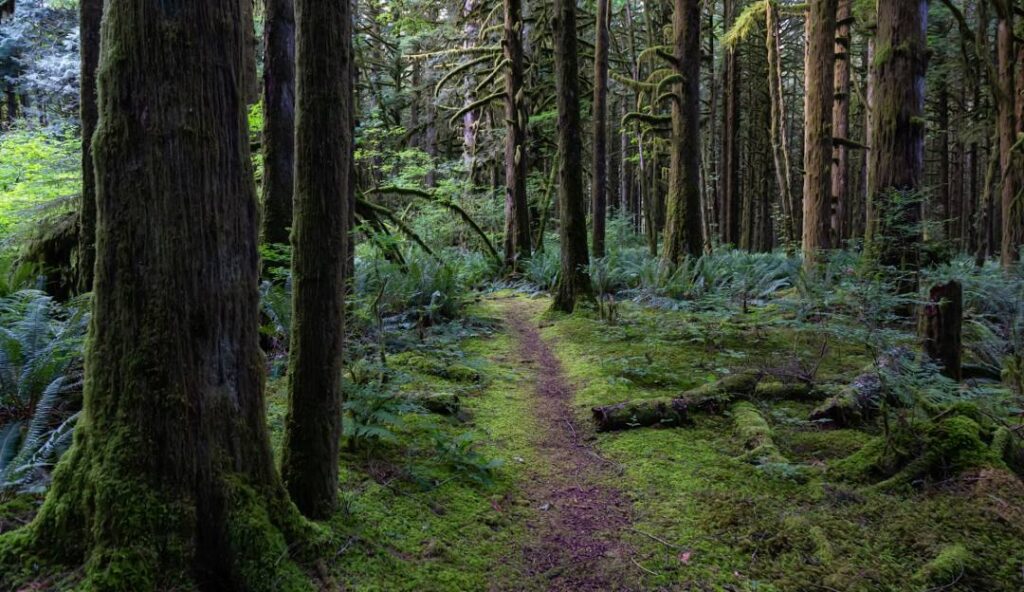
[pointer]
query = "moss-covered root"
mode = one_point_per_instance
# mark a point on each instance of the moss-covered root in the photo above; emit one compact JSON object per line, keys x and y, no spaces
{"x":755,"y":433}
{"x":130,"y":536}
{"x":948,"y":567}
{"x":919,"y":452}
{"x":640,"y":413}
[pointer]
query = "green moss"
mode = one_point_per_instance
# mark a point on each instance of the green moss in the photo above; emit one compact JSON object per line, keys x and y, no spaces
{"x":258,"y":544}
{"x":947,"y":568}
{"x":462,"y":373}
{"x":922,"y":450}
{"x":756,"y":435}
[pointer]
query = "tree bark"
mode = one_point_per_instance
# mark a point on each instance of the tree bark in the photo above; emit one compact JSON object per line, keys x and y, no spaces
{"x":170,"y":482}
{"x":779,"y":133}
{"x":730,"y":198}
{"x":897,"y":138}
{"x":278,"y":121}
{"x":573,"y":281}
{"x":517,"y":209}
{"x":90,"y":14}
{"x":599,"y":195}
{"x":1009,"y":165}
{"x":682,"y":216}
{"x":819,"y":99}
{"x":841,"y":125}
{"x":323,"y":142}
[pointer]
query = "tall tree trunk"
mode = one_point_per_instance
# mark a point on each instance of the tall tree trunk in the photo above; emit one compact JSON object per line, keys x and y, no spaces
{"x":170,"y":482}
{"x":573,"y":281}
{"x":779,"y":133}
{"x":897,"y":138}
{"x":1009,"y":177}
{"x":819,"y":91}
{"x":599,"y":196}
{"x":517,"y":208}
{"x":278,"y":120}
{"x":841,"y":125}
{"x":682,"y":218}
{"x":90,"y":13}
{"x":323,"y":142}
{"x":943,"y":157}
{"x":729,"y":181}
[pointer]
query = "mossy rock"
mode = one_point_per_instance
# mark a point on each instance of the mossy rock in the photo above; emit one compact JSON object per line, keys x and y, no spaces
{"x":418,"y":362}
{"x":920,"y":451}
{"x":462,"y":373}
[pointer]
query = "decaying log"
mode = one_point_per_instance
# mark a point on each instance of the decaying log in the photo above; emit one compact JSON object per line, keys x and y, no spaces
{"x":641,"y":413}
{"x":713,"y":397}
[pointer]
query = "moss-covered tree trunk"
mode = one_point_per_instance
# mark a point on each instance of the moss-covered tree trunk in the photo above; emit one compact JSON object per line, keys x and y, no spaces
{"x":517,"y":208}
{"x":819,"y":90}
{"x":170,"y":482}
{"x":573,"y":281}
{"x":90,"y":15}
{"x":599,"y":187}
{"x":682,"y":216}
{"x":323,"y":162}
{"x":1012,"y":208}
{"x":278,"y":121}
{"x":779,"y":133}
{"x":729,"y":184}
{"x":897,"y":136}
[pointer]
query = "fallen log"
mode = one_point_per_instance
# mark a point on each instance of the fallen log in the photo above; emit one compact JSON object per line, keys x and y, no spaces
{"x":752,"y":428}
{"x":714,"y":397}
{"x":641,"y":413}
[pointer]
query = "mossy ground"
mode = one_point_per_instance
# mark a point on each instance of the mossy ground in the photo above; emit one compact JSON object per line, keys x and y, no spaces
{"x":707,"y":520}
{"x":706,"y":516}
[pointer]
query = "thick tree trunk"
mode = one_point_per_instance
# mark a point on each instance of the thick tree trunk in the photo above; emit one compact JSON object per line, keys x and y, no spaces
{"x":599,"y":195}
{"x":323,"y":142}
{"x":897,"y":138}
{"x":841,"y":125}
{"x":90,"y":14}
{"x":170,"y":483}
{"x":1009,"y":164}
{"x":573,"y":281}
{"x":819,"y":89}
{"x":682,"y":216}
{"x":729,"y":183}
{"x":940,"y":327}
{"x":278,"y":121}
{"x":517,"y":209}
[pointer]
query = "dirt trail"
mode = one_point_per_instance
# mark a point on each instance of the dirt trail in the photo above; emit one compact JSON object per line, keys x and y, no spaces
{"x":580,"y":518}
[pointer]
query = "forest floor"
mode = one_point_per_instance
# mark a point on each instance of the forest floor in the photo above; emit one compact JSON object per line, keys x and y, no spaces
{"x":657,"y":509}
{"x":518,"y":492}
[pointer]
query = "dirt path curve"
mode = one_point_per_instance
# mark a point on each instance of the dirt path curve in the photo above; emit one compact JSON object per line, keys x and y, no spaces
{"x":580,"y":518}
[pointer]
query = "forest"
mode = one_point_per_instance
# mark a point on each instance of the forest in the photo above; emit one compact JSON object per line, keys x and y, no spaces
{"x":512,"y":295}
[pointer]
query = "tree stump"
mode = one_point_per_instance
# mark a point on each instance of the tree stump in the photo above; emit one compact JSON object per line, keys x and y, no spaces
{"x":940,"y":327}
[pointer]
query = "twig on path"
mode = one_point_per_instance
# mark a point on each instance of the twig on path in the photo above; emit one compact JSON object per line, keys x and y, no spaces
{"x":653,"y":573}
{"x":658,"y":539}
{"x":571,"y":429}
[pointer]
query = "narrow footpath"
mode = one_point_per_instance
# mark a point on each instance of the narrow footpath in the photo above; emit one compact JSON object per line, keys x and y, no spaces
{"x":579,"y":518}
